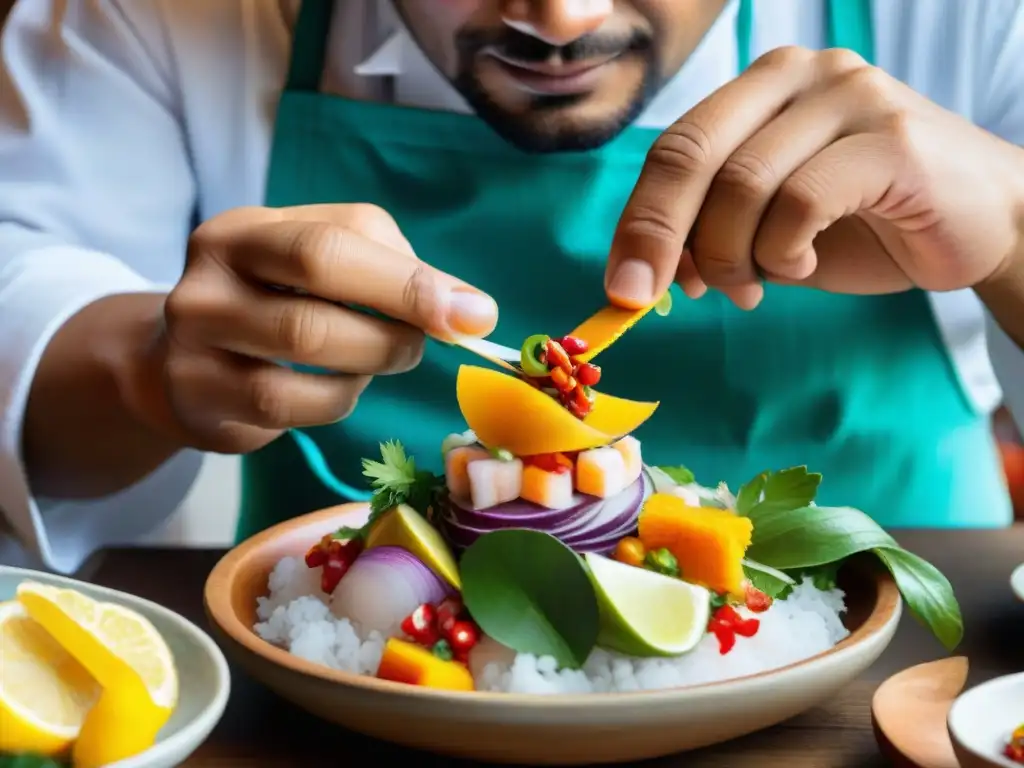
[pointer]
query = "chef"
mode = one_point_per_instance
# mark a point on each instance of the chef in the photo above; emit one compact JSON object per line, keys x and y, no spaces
{"x":200,"y":201}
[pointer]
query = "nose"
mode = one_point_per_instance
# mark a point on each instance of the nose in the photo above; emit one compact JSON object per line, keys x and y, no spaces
{"x":557,"y":22}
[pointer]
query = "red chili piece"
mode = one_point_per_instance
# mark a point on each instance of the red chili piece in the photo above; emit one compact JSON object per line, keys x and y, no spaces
{"x":588,"y":374}
{"x":726,"y":624}
{"x":557,"y":357}
{"x":463,"y":636}
{"x":550,"y":462}
{"x":334,"y":557}
{"x":421,"y":625}
{"x":756,"y":600}
{"x":574,"y":345}
{"x":448,"y":612}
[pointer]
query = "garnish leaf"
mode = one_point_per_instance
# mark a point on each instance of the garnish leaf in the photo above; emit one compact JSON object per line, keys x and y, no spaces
{"x":809,"y":537}
{"x":678,"y":475}
{"x":771,"y":585}
{"x":786,"y":489}
{"x":395,"y":481}
{"x":531,"y":593}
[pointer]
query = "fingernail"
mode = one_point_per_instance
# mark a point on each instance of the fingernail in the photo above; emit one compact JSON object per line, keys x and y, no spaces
{"x":633,"y":281}
{"x":471,"y":313}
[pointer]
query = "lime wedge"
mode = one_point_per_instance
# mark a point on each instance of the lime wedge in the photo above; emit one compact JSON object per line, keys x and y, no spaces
{"x":404,"y":527}
{"x":644,"y":613}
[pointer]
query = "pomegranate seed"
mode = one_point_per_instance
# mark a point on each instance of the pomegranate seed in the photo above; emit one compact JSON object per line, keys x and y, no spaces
{"x":588,"y":374}
{"x":448,"y":613}
{"x":574,"y":345}
{"x":756,"y":600}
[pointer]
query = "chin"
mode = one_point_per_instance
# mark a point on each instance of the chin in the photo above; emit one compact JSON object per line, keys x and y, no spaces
{"x":555,"y":123}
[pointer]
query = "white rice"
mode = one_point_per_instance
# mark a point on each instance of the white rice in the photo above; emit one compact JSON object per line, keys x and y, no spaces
{"x":296,"y":616}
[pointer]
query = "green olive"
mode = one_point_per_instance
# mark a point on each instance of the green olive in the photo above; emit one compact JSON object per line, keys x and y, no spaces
{"x":529,"y":355}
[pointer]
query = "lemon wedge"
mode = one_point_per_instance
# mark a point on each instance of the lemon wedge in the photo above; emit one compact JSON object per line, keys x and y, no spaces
{"x":128,"y":658}
{"x":645,"y":613}
{"x":44,"y":693}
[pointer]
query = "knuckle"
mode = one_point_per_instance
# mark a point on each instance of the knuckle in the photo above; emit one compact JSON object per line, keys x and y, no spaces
{"x":370,"y":220}
{"x":717,"y":267}
{"x":870,"y":86}
{"x":314,"y":248}
{"x":785,"y":57}
{"x":749,"y":175}
{"x":405,"y":354}
{"x":268,"y":398}
{"x":303,"y":329}
{"x":683,"y":149}
{"x":650,"y":223}
{"x":803,"y":196}
{"x":839,"y":61}
{"x":422,"y":299}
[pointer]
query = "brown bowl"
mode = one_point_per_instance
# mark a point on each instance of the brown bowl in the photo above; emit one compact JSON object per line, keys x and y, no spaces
{"x":535,"y":729}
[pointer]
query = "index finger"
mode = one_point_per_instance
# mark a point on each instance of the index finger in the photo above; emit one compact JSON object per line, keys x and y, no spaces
{"x":344,"y":266}
{"x":680,"y":167}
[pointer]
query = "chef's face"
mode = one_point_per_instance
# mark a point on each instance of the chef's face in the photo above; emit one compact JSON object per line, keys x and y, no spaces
{"x":553,"y":75}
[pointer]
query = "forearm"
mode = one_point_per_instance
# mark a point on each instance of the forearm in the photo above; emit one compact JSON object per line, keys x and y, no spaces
{"x":92,"y":423}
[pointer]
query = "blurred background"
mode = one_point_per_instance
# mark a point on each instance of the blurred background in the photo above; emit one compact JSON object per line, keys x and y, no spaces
{"x":207,"y":517}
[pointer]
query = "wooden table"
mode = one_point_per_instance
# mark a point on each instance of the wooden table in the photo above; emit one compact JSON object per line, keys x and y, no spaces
{"x":260,"y":730}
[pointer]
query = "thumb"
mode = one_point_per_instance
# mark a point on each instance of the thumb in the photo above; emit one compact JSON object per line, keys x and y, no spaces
{"x":643,"y":260}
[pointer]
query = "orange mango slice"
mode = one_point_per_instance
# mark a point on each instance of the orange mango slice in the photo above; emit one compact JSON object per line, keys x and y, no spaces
{"x":506,"y":412}
{"x":605,"y":327}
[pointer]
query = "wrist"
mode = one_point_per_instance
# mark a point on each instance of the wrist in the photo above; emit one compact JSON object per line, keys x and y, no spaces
{"x":91,"y":423}
{"x":1003,"y":291}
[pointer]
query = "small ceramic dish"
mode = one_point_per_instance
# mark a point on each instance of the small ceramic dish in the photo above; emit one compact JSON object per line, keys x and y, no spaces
{"x":1017,"y":582}
{"x":203,"y":676}
{"x":981,"y":721}
{"x":533,"y":729}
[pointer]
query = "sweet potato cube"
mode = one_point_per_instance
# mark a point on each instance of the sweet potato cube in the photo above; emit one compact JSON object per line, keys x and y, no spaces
{"x":708,"y":543}
{"x":405,"y":662}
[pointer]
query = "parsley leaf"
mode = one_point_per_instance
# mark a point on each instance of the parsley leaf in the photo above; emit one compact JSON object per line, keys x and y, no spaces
{"x":679,"y":475}
{"x":784,"y":490}
{"x":395,"y":481}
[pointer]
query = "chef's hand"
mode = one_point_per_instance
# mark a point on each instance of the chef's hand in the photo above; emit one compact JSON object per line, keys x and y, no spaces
{"x":815,"y":168}
{"x":264,"y":285}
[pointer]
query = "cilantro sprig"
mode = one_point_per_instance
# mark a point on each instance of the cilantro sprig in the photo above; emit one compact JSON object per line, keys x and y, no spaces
{"x":396,"y":480}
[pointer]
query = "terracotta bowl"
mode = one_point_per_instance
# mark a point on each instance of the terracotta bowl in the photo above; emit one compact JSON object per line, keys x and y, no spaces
{"x":533,"y":729}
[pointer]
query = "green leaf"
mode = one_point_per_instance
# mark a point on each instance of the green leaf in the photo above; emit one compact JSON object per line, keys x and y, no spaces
{"x":678,"y":475}
{"x":750,"y":494}
{"x":29,"y":761}
{"x":786,"y":489}
{"x":928,"y":593}
{"x":531,"y":593}
{"x":768,"y":583}
{"x":396,"y":471}
{"x":810,"y":537}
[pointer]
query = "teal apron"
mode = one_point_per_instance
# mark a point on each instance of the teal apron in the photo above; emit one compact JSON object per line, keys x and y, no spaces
{"x":860,"y":388}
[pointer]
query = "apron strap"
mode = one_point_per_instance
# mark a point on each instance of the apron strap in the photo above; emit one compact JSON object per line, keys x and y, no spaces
{"x":309,"y":45}
{"x":849,"y":26}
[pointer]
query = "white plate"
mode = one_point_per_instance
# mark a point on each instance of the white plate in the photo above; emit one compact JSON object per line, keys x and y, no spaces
{"x":1017,"y":582}
{"x":203,"y":677}
{"x":981,"y":720}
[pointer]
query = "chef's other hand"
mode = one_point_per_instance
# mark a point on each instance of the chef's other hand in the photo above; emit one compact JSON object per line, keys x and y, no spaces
{"x":818,"y":169}
{"x":264,"y":286}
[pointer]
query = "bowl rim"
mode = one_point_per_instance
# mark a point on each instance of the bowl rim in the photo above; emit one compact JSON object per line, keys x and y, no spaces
{"x":965,"y":701}
{"x":218,"y":601}
{"x":1017,"y":582}
{"x":190,"y":733}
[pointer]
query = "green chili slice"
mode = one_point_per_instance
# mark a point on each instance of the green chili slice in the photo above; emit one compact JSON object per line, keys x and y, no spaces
{"x":529,"y":355}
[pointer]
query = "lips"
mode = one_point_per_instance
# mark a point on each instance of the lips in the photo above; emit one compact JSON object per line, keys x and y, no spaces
{"x":553,"y":78}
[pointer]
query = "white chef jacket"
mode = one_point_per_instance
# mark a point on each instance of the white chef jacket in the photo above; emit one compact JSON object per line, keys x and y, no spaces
{"x":122,"y":121}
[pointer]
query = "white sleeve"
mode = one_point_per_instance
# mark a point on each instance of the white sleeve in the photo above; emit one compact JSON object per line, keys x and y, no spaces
{"x":96,"y":198}
{"x":1000,"y":83}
